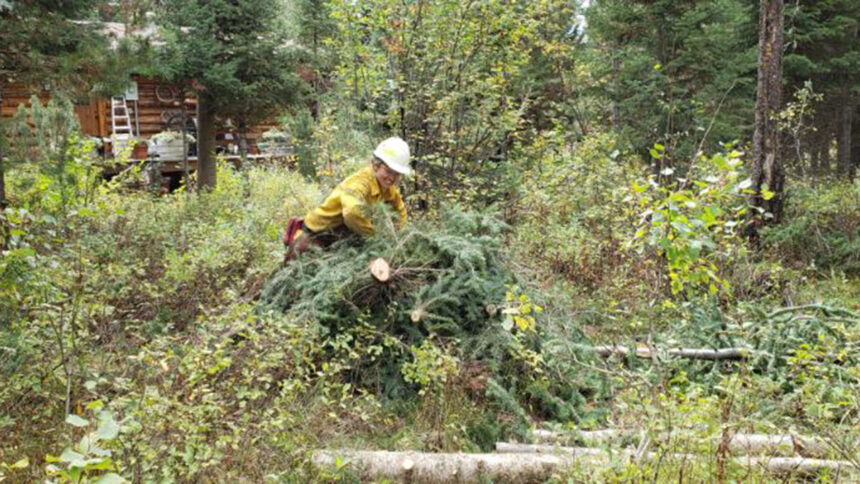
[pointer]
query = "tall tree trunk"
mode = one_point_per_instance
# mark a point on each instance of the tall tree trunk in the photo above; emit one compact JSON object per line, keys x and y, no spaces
{"x":817,"y":143}
{"x":205,"y":142}
{"x":616,"y":89}
{"x":855,"y":145}
{"x":3,"y":201}
{"x":767,"y":168}
{"x":843,"y":137}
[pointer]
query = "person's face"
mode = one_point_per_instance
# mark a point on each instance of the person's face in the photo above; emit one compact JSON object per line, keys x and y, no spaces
{"x":386,"y":176}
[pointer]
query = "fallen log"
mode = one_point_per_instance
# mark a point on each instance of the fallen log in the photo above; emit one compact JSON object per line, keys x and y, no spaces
{"x":778,"y":465}
{"x":646,"y":352}
{"x":426,"y":467}
{"x":542,"y":436}
{"x":776,"y":445}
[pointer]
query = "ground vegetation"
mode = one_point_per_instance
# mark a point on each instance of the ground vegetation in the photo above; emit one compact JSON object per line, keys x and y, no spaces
{"x":149,"y":336}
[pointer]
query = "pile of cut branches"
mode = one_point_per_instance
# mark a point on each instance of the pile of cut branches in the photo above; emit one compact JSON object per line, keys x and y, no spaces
{"x":445,"y":278}
{"x":447,"y":286}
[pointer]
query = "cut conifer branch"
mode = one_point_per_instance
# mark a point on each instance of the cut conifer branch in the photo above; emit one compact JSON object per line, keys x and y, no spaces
{"x":380,"y":269}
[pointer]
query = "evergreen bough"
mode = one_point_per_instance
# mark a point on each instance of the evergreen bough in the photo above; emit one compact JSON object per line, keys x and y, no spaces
{"x":446,"y":278}
{"x":448,"y":283}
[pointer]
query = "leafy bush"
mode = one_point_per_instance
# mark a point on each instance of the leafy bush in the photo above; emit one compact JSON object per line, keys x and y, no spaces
{"x":821,"y":228}
{"x":570,"y":217}
{"x":81,"y":289}
{"x":461,"y":89}
{"x":692,"y":222}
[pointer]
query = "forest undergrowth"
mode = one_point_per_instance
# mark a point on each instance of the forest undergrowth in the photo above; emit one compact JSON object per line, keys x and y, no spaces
{"x":157,"y":337}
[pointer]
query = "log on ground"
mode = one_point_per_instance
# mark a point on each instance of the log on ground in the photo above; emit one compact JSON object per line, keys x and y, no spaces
{"x":741,"y":443}
{"x":646,"y":352}
{"x":777,"y":465}
{"x":446,"y":467}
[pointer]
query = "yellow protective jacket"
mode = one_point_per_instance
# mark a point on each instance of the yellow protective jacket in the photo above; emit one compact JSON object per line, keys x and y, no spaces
{"x":347,"y":204}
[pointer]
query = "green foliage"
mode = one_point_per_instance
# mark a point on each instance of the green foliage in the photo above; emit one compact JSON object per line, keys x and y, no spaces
{"x":430,"y":368}
{"x":234,"y":51}
{"x":56,"y":46}
{"x":456,"y":80}
{"x":822,"y":228}
{"x":821,"y":51}
{"x":444,"y":277}
{"x":445,"y":274}
{"x":80,"y":462}
{"x":574,"y":233}
{"x":132,"y":336}
{"x":118,"y":271}
{"x":679,"y":73}
{"x":50,"y":165}
{"x":449,"y":287}
{"x":692,"y":223}
{"x":331,"y":147}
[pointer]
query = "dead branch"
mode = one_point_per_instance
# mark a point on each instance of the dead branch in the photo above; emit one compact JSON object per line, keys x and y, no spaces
{"x":646,"y":352}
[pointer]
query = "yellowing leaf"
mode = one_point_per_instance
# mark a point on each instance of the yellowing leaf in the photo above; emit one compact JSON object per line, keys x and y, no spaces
{"x":77,"y":421}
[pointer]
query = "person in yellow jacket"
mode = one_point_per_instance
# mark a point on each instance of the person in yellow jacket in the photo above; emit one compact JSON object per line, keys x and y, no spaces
{"x":345,"y":210}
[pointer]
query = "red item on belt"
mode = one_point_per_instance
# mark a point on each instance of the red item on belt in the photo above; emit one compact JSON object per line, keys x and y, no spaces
{"x":294,"y":224}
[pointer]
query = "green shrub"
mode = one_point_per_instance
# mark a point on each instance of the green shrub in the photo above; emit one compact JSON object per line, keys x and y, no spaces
{"x":821,"y":227}
{"x":570,"y":217}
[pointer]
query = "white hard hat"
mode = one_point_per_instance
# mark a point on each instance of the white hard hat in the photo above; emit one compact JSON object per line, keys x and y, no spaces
{"x":394,"y":152}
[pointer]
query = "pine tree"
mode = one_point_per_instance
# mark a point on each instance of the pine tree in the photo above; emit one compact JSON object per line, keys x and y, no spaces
{"x":677,"y":73}
{"x":823,"y":46}
{"x":58,"y":47}
{"x":236,"y":59}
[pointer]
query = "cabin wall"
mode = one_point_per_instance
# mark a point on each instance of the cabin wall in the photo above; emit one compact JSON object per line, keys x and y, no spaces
{"x":157,"y":102}
{"x":91,"y":116}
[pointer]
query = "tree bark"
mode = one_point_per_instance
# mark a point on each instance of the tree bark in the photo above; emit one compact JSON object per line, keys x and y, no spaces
{"x":206,"y":168}
{"x":855,"y":144}
{"x":185,"y":173}
{"x":3,"y":201}
{"x":843,"y":142}
{"x":424,"y":467}
{"x":820,"y":158}
{"x":787,"y":445}
{"x":778,"y":465}
{"x":767,"y":168}
{"x":690,"y":353}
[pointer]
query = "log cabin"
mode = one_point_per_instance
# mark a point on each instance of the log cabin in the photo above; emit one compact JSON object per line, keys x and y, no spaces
{"x":148,"y":107}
